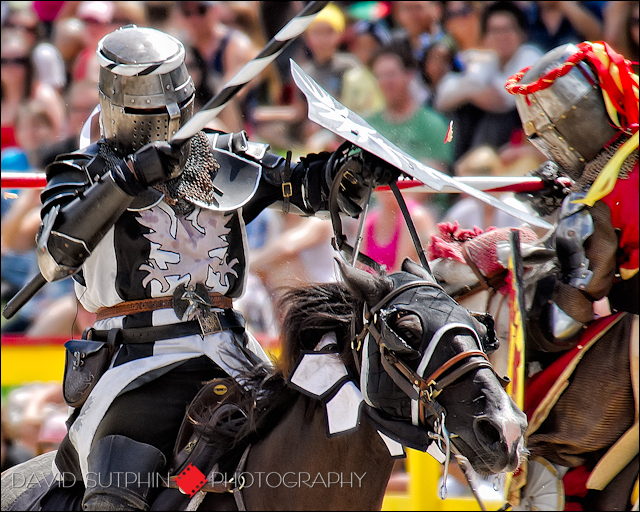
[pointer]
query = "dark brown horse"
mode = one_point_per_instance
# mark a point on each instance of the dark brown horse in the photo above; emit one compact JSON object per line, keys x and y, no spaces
{"x":334,"y":452}
{"x":574,"y":424}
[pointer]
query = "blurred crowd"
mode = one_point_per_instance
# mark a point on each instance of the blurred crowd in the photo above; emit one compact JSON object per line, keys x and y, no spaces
{"x":410,"y":68}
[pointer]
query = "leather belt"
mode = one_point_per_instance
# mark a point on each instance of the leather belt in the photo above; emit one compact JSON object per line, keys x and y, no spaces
{"x":228,"y":320}
{"x":140,"y":306}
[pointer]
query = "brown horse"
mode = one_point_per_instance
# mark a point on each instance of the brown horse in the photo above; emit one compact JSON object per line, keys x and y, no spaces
{"x":574,"y":417}
{"x":332,"y":447}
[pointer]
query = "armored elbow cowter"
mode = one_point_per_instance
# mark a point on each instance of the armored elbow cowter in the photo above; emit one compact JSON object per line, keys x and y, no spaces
{"x":575,"y":225}
{"x":77,"y":212}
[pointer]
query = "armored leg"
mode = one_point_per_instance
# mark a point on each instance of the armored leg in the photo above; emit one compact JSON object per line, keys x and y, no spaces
{"x":120,"y":474}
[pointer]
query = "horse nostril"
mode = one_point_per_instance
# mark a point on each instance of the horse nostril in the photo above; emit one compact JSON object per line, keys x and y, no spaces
{"x":487,"y":432}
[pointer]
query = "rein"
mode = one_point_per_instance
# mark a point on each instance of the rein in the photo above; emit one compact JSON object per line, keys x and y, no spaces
{"x":490,"y":282}
{"x":339,"y":240}
{"x":416,"y":387}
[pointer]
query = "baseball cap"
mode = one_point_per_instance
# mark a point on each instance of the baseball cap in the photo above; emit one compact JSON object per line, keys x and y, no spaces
{"x":101,"y":12}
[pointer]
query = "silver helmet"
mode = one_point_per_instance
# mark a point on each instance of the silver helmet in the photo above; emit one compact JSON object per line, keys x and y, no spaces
{"x":146,"y":93}
{"x":567,"y":121}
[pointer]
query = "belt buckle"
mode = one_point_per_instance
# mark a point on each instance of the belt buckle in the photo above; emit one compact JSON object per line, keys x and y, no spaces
{"x":193,"y":301}
{"x":209,"y":322}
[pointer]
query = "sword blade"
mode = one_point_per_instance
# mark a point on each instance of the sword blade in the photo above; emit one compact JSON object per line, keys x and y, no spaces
{"x":326,"y":111}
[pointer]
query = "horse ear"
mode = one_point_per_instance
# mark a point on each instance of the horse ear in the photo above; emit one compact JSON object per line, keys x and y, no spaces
{"x":408,"y":265}
{"x":363,"y":285}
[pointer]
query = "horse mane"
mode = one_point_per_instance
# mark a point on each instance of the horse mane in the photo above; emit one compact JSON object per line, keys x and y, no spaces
{"x":310,"y":312}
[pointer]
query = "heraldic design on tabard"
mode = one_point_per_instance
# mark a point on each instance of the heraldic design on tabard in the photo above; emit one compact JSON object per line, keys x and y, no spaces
{"x":178,"y":245}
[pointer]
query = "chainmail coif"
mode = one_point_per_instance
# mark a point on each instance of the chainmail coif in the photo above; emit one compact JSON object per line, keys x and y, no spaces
{"x":195,"y":182}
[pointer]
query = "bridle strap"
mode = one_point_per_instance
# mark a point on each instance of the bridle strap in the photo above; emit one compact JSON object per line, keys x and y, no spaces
{"x":397,"y":291}
{"x":472,"y":265}
{"x":484,"y":283}
{"x":454,"y":360}
{"x":394,"y":367}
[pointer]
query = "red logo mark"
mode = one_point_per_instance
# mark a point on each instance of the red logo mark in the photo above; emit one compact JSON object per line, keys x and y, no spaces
{"x":191,"y":480}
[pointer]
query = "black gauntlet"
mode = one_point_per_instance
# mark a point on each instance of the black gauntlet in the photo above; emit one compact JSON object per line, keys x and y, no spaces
{"x":358,"y":169}
{"x":154,"y":163}
{"x":548,"y":200}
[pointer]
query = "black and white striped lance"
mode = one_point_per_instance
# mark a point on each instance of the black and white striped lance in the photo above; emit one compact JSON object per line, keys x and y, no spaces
{"x":250,"y":70}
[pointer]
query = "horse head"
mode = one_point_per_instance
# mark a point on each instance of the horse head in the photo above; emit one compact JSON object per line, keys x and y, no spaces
{"x":423,"y":363}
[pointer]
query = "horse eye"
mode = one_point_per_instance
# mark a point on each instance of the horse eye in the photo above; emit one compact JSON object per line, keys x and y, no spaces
{"x":408,"y":326}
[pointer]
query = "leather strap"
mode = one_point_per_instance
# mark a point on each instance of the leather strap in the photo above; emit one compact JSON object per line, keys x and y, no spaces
{"x":410,"y":225}
{"x":118,"y":336}
{"x":140,"y":306}
{"x":285,"y":177}
{"x":455,"y":359}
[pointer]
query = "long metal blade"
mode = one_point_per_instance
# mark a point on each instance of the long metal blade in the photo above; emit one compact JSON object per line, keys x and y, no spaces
{"x":326,"y":111}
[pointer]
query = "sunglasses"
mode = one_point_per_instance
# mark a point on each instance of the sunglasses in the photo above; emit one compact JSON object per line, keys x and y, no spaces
{"x":460,"y":13}
{"x":32,"y":29}
{"x":200,"y":10}
{"x":21,"y":61}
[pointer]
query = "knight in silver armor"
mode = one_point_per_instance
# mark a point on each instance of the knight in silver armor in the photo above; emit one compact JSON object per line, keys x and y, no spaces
{"x":561,"y":102}
{"x":153,"y":235}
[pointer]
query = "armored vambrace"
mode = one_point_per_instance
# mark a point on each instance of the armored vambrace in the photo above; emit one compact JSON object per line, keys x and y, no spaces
{"x":68,"y":234}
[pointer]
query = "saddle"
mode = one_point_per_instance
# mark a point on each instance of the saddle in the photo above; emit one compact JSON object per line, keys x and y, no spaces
{"x":206,"y":436}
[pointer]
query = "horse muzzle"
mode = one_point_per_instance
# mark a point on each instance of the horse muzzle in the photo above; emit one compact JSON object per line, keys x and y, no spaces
{"x":501,"y":441}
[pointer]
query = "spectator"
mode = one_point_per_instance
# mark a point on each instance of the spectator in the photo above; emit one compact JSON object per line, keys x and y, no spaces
{"x":621,"y":29}
{"x":553,"y":24}
{"x":437,"y":61}
{"x":419,"y":27}
{"x":223,"y":49}
{"x":386,"y":237}
{"x":419,"y":23}
{"x":470,"y":212}
{"x":159,"y":15}
{"x":81,"y":99}
{"x":494,"y":120}
{"x":413,"y":127}
{"x":12,"y":451}
{"x":17,"y":78}
{"x":98,"y":19}
{"x":301,"y":253}
{"x":35,"y":129}
{"x":52,"y":431}
{"x":68,"y":38}
{"x":339,"y":73}
{"x":461,"y":21}
{"x":28,"y":406}
{"x":268,"y":91}
{"x":46,"y":59}
{"x":366,"y":37}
